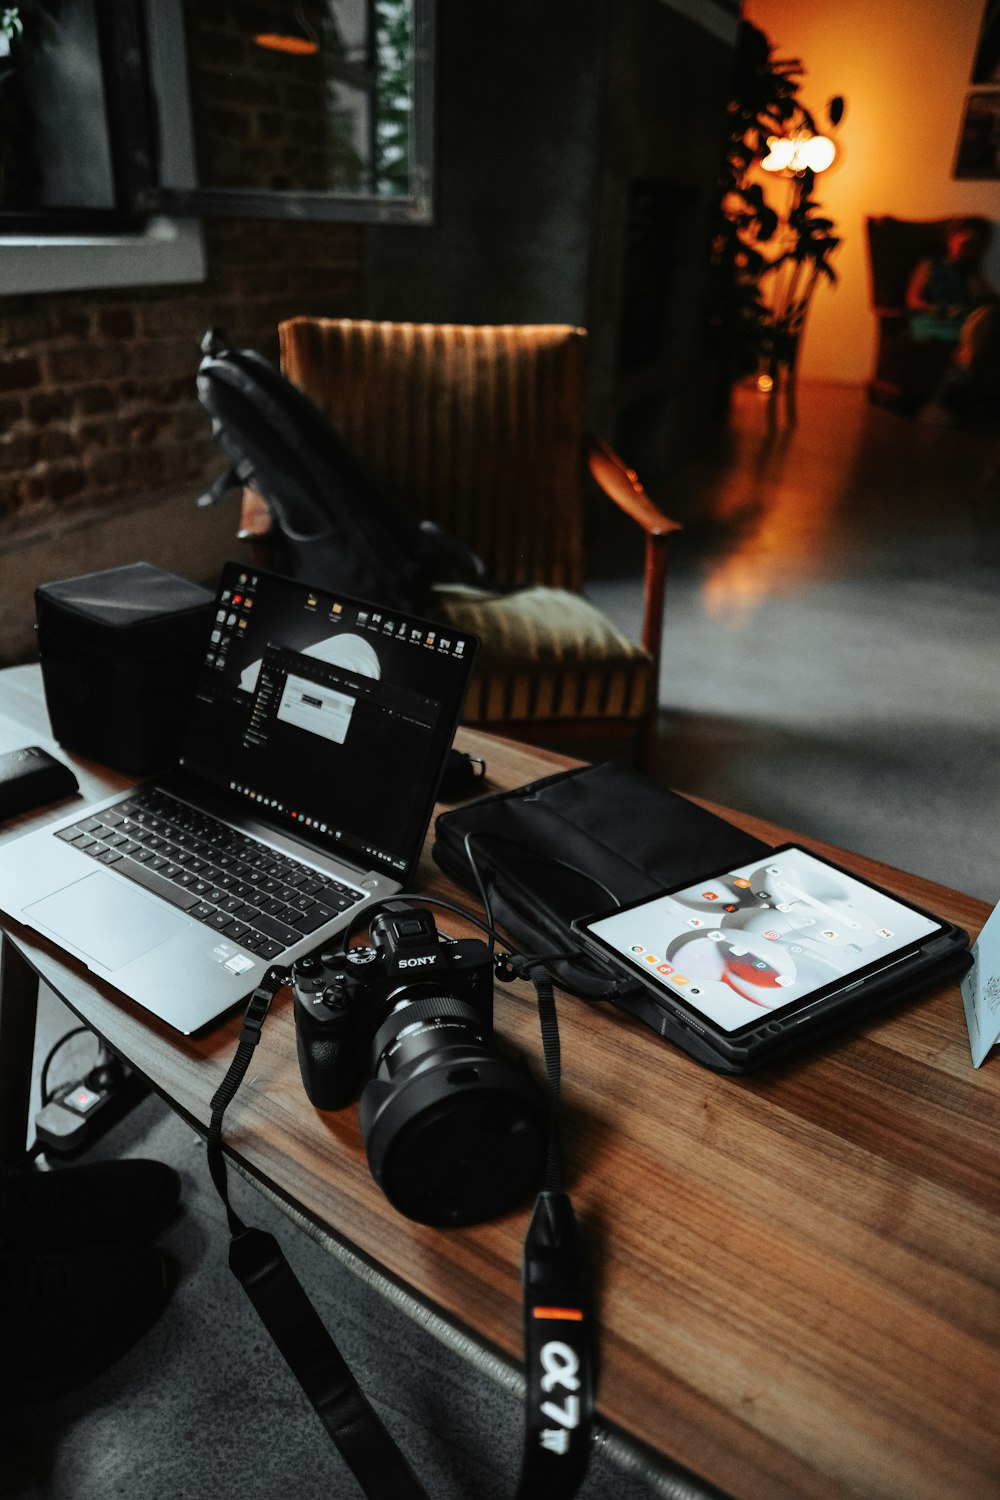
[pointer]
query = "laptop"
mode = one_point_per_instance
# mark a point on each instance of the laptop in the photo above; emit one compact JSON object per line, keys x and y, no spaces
{"x":302,"y":792}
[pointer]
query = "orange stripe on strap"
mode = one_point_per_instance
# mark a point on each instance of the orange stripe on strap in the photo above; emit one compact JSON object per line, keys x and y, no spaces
{"x":559,"y":1314}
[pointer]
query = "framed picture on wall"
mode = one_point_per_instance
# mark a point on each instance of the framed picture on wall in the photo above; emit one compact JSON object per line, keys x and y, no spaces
{"x":978,"y":155}
{"x":986,"y":64}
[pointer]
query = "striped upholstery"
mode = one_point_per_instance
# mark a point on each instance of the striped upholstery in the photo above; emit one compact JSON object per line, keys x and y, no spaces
{"x":481,"y":430}
{"x":547,"y":654}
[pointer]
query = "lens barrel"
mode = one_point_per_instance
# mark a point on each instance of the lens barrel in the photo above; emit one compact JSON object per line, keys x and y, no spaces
{"x":455,"y":1133}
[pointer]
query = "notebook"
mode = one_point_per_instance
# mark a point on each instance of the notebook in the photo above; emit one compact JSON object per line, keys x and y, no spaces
{"x":302,"y":792}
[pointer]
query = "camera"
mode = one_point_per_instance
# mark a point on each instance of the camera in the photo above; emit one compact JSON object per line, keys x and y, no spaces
{"x":455,"y":1132}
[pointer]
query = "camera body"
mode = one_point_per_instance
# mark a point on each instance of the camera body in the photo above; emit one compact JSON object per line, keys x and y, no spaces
{"x":455,"y":1132}
{"x":341,"y":1000}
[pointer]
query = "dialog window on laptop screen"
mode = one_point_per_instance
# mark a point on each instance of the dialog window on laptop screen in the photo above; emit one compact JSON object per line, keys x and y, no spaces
{"x":327,"y":713}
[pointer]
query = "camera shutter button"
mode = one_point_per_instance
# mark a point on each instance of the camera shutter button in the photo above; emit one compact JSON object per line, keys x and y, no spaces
{"x":335,"y":997}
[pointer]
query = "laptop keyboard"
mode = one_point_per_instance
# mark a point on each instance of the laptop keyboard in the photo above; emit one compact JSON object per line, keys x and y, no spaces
{"x":260,"y":898}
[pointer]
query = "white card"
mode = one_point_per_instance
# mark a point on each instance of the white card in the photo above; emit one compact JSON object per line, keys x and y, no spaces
{"x":981,"y":990}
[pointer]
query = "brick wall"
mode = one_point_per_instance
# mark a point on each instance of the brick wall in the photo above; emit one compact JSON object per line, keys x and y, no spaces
{"x":97,"y":389}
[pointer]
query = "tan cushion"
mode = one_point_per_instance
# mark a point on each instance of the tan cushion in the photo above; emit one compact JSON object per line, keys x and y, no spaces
{"x":546,"y":654}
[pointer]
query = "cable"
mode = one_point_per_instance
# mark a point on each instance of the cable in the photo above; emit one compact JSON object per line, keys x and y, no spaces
{"x":421,"y":898}
{"x":552,"y":859}
{"x":44,"y":1083}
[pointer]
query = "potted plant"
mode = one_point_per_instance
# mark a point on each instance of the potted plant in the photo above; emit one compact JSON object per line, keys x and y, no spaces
{"x":765,"y":260}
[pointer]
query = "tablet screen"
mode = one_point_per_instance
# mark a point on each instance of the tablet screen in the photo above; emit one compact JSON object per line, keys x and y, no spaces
{"x":763,"y":937}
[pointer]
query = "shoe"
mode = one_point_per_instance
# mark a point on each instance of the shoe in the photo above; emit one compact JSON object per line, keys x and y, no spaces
{"x":101,"y":1203}
{"x":67,"y":1317}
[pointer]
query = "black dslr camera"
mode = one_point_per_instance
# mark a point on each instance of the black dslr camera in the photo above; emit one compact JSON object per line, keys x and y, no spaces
{"x":455,"y":1133}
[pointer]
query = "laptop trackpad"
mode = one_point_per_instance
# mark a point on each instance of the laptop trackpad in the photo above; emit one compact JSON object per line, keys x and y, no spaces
{"x":105,"y":919}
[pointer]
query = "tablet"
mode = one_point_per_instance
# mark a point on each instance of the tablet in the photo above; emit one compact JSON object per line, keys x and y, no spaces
{"x":789,"y":940}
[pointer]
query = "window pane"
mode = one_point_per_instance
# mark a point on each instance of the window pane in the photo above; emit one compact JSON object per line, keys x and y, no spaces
{"x":315,"y":97}
{"x":54,"y":146}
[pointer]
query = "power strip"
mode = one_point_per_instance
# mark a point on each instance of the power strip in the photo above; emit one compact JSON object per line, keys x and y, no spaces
{"x":79,"y":1113}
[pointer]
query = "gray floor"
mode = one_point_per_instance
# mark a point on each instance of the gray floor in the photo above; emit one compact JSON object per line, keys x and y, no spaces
{"x":832,"y":666}
{"x":831,"y":650}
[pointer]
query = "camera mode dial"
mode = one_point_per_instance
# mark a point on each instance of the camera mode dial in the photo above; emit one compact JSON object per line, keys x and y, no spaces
{"x":308,"y":974}
{"x":361,"y":956}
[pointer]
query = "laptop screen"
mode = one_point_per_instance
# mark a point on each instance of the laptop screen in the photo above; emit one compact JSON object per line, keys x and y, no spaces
{"x":327,"y":717}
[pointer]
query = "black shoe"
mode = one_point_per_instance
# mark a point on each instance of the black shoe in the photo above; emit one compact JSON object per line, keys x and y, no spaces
{"x":67,"y":1317}
{"x":102,"y":1203}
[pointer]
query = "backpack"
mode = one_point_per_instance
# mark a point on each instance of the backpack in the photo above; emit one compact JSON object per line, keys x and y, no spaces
{"x":331,"y":525}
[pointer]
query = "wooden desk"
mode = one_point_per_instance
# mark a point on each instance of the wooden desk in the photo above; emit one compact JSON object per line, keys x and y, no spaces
{"x":797,"y":1274}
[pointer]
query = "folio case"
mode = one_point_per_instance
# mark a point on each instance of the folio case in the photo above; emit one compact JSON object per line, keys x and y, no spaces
{"x":120,"y":653}
{"x":578,"y":842}
{"x":585,"y":840}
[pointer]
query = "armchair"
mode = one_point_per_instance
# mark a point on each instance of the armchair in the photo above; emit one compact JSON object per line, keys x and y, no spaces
{"x":906,"y":372}
{"x":481,"y":429}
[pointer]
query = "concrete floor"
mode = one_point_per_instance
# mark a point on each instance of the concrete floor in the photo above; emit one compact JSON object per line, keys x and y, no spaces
{"x":831,"y":649}
{"x":830,"y":661}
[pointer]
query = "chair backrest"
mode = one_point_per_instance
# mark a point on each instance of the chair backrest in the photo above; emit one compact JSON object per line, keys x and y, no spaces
{"x":895,"y":246}
{"x":478,"y":428}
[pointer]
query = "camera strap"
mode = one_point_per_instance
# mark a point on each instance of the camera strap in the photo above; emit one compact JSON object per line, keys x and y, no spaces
{"x":558,"y":1338}
{"x":257,"y":1261}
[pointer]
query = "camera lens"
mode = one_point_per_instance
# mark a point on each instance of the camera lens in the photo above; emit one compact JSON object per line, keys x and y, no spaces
{"x":455,"y":1133}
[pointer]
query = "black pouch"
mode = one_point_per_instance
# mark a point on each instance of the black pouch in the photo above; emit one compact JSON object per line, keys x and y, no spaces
{"x":31,"y":777}
{"x":580,"y":842}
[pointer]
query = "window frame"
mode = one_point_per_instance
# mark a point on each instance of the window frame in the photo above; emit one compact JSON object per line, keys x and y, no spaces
{"x":63,"y":249}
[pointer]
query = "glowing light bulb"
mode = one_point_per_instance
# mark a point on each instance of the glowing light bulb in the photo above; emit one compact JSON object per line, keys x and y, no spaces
{"x":799,"y":152}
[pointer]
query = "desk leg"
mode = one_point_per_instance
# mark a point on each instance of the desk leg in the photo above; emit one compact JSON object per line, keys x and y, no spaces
{"x":18,"y":1008}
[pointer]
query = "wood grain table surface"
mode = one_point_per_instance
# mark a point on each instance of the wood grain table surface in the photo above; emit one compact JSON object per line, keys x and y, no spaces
{"x":797,"y":1274}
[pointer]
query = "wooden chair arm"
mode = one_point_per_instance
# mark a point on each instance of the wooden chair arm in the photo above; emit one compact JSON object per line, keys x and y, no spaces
{"x":255,"y":517}
{"x":622,"y":485}
{"x":257,"y":529}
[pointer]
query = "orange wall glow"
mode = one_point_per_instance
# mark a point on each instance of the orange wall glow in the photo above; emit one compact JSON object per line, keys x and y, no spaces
{"x":904,"y":71}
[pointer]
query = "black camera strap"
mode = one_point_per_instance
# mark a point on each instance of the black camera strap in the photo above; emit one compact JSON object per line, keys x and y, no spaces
{"x":558,"y":1338}
{"x":257,"y":1260}
{"x":559,"y":1345}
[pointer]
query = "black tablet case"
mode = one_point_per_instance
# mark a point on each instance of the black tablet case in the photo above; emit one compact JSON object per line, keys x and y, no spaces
{"x":583,"y":841}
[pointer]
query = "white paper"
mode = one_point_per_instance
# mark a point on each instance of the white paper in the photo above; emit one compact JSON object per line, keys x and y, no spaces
{"x":981,"y":990}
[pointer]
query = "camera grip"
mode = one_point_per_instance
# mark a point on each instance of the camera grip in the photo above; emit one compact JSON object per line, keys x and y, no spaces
{"x":326,"y":1059}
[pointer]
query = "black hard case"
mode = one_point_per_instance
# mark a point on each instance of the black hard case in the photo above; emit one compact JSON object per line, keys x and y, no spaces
{"x":120,"y":653}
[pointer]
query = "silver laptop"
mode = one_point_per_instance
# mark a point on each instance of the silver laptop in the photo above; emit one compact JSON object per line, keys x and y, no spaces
{"x":303,"y":790}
